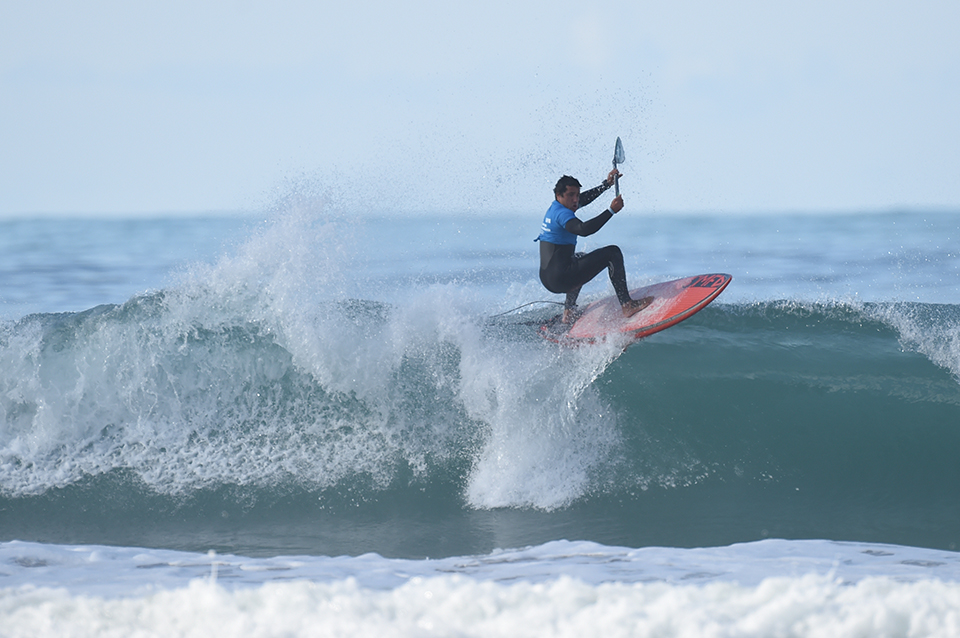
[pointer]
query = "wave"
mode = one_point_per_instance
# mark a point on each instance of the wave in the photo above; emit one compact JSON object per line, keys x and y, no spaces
{"x":257,"y":385}
{"x":186,"y":393}
{"x":769,"y":588}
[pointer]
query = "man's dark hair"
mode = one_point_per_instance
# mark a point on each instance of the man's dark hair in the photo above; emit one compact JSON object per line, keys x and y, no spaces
{"x":563,"y":183}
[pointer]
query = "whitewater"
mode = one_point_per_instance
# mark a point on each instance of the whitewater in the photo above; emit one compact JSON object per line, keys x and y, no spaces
{"x":311,"y":423}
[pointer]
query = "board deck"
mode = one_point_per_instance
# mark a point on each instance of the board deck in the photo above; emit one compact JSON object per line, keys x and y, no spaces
{"x":673,"y":301}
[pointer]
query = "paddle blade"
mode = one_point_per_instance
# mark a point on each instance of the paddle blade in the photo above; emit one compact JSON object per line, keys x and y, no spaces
{"x":618,"y":156}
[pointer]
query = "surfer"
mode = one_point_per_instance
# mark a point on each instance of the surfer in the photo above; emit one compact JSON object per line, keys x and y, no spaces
{"x":562,"y":269}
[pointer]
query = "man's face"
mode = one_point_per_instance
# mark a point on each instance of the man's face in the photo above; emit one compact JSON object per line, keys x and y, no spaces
{"x":570,"y":198}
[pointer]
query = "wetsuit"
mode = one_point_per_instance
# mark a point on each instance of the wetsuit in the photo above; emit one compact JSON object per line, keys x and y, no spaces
{"x":562,"y":269}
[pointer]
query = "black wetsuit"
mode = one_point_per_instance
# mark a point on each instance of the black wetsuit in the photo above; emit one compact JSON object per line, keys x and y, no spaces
{"x":563,"y":270}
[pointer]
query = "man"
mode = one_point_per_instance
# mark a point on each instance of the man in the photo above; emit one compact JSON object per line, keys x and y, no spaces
{"x":562,"y":269}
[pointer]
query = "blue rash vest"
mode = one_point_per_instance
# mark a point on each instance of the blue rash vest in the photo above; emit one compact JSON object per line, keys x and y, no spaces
{"x":553,"y":228}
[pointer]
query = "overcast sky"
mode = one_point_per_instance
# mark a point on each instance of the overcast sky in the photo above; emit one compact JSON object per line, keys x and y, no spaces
{"x":146,"y":107}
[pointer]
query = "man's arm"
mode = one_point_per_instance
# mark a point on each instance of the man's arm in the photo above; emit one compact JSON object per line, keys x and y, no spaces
{"x":588,"y":227}
{"x":588,"y":196}
{"x":591,"y":226}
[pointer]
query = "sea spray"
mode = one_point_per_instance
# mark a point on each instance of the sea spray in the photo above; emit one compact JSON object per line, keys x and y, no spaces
{"x":256,"y":371}
{"x":543,"y":432}
{"x":549,"y":433}
{"x":931,"y":329}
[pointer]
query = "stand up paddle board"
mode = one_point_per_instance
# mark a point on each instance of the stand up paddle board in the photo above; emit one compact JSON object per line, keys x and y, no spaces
{"x":673,"y":301}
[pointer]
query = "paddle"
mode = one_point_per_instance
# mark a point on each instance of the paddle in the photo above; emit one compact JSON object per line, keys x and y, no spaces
{"x":618,"y":158}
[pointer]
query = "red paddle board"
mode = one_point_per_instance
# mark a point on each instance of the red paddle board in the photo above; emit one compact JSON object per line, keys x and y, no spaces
{"x":673,"y":301}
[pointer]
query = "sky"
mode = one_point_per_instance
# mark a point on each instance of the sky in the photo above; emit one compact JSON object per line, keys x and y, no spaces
{"x":152,"y":107}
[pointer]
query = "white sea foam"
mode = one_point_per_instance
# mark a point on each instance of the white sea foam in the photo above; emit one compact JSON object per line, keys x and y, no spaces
{"x":240,"y":372}
{"x":543,"y":427}
{"x":766,"y":588}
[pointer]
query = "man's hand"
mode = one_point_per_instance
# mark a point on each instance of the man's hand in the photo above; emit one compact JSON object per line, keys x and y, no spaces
{"x":612,"y":177}
{"x":617,"y":204}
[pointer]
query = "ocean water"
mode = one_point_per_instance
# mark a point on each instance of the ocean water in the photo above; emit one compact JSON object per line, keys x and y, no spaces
{"x":306,"y":422}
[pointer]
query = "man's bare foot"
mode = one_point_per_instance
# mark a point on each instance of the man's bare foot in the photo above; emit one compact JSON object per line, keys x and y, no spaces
{"x":634,"y":306}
